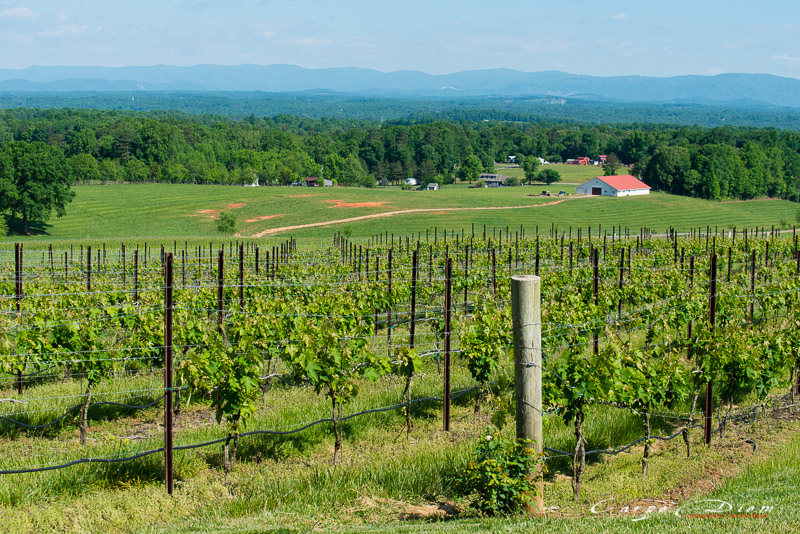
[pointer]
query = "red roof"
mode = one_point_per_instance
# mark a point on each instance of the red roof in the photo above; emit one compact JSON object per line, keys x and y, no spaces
{"x":312,"y":179}
{"x":624,"y":182}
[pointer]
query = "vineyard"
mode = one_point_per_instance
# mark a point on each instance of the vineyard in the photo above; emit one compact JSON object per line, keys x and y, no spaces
{"x":148,"y":363}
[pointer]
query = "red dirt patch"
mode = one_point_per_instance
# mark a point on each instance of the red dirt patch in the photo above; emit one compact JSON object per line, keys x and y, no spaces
{"x":343,"y":204}
{"x":210,"y":213}
{"x":263,"y":218}
{"x":271,"y":231}
{"x":234,"y":205}
{"x":300,"y":196}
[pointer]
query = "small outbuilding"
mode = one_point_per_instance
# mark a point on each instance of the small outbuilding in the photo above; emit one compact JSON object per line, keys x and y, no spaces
{"x":623,"y":185}
{"x":433,"y":186}
{"x":492,"y":179}
{"x":313,"y":181}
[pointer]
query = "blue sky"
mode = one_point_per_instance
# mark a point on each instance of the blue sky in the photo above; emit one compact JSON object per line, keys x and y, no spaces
{"x":647,"y":37}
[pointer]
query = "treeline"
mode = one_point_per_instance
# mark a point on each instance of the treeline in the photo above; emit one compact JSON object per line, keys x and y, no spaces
{"x":241,"y":104}
{"x":113,"y":146}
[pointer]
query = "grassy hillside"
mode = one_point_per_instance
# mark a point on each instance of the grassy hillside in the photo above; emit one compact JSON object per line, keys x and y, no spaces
{"x":187,"y":211}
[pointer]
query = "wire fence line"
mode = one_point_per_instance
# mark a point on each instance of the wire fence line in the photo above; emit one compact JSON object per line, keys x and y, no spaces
{"x":274,"y":431}
{"x":748,"y":415}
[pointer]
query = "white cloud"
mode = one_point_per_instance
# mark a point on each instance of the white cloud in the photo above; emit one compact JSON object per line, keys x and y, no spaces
{"x":17,"y":13}
{"x":619,"y":16}
{"x":63,"y":30}
{"x":786,"y":57}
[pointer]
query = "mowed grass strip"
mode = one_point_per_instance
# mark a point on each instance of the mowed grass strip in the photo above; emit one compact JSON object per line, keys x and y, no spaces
{"x":187,"y":211}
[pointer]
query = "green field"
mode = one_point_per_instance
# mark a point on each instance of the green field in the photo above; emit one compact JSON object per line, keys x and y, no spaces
{"x":177,"y":211}
{"x":384,"y":483}
{"x":570,"y":174}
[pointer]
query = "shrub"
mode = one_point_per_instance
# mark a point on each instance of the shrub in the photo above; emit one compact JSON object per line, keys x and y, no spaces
{"x":226,"y":224}
{"x":497,"y":481}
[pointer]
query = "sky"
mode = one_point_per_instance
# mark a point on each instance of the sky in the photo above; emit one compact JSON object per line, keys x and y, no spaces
{"x":602,"y":38}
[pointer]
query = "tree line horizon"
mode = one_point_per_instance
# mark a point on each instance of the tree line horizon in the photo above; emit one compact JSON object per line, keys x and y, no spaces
{"x":61,"y":147}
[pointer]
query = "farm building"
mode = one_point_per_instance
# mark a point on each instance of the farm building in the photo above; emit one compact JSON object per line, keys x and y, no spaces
{"x":492,"y":179}
{"x":614,"y":186}
{"x":433,"y":186}
{"x":313,"y":181}
{"x":511,"y":159}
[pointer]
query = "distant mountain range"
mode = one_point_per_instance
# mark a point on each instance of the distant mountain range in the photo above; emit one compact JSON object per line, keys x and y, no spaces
{"x":742,"y":90}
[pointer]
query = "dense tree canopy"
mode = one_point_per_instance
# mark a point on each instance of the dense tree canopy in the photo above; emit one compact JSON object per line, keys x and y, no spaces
{"x":111,"y":146}
{"x":34,"y":181}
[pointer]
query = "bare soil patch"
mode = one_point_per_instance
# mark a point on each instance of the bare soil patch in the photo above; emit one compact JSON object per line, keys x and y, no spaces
{"x":300,"y":196}
{"x":210,"y":213}
{"x":214,"y":213}
{"x":264,"y":218}
{"x":343,"y":204}
{"x":278,"y":230}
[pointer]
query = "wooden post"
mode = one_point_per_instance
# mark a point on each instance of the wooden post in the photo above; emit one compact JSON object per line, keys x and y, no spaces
{"x":136,"y":276}
{"x":220,"y":282}
{"x":712,"y":314}
{"x":168,"y":452}
{"x":18,"y":292}
{"x":621,"y":282}
{"x":241,"y":277}
{"x":414,"y":271}
{"x":377,"y":278}
{"x":447,"y":302}
{"x":389,"y":308}
{"x":691,"y":285}
{"x":595,"y":291}
{"x":752,"y":286}
{"x":466,"y":275}
{"x":88,"y":268}
{"x":494,"y":273}
{"x":527,"y":324}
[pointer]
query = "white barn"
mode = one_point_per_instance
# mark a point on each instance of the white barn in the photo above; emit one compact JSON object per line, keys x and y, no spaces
{"x":614,"y":186}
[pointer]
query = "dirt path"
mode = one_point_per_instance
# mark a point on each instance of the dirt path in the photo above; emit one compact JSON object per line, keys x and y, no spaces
{"x":272,"y":231}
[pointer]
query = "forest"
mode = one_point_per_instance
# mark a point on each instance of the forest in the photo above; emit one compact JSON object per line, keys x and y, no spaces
{"x":97,"y":147}
{"x":412,"y":108}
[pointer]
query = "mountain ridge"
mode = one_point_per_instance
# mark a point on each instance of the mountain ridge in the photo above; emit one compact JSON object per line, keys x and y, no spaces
{"x":766,"y":89}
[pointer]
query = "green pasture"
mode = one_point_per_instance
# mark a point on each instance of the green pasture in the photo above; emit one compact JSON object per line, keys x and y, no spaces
{"x":570,"y":174}
{"x":180,"y":211}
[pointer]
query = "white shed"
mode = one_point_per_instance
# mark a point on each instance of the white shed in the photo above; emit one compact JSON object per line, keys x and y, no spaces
{"x":614,"y":186}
